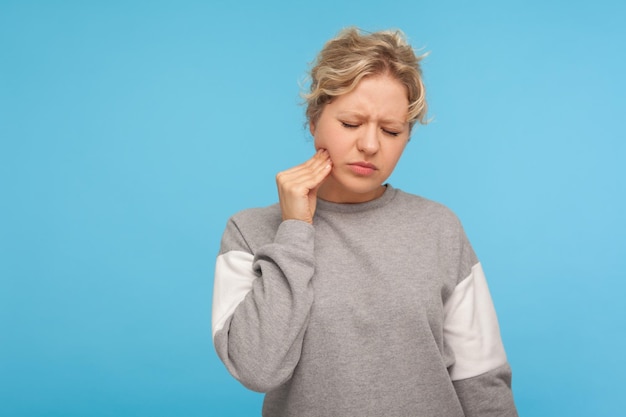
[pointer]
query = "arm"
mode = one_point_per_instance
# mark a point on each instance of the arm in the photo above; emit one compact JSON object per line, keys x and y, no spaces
{"x":480,"y":373}
{"x":261,"y":305}
{"x":262,"y":300}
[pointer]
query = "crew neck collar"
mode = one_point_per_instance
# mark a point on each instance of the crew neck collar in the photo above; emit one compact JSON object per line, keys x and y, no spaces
{"x":385,"y":198}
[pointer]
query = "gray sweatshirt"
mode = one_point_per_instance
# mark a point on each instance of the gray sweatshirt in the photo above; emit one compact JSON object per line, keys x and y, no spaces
{"x":377,"y":309}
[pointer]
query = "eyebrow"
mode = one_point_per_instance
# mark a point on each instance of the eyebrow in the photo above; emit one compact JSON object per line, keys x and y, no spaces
{"x":394,"y":121}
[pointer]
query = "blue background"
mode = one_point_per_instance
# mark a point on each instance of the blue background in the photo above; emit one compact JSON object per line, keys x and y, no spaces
{"x":131,"y":131}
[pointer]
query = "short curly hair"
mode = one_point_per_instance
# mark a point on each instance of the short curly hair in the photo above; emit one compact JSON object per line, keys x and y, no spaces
{"x":353,"y":55}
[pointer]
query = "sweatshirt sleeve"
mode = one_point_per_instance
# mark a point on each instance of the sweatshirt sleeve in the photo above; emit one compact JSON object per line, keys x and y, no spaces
{"x":479,"y":368}
{"x":261,"y":303}
{"x":480,"y":372}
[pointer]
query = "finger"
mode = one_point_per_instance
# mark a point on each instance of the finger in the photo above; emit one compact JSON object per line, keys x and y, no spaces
{"x":310,"y":167}
{"x":319,"y":162}
{"x":315,"y":161}
{"x":307,"y":165}
{"x":309,"y":177}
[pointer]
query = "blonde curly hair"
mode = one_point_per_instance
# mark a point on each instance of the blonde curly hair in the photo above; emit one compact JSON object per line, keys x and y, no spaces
{"x":353,"y":55}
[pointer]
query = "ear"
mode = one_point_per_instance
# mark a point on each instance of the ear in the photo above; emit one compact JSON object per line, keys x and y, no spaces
{"x":312,"y":129}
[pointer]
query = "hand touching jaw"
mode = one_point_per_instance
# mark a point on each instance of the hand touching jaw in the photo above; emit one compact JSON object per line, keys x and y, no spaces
{"x":298,"y":186}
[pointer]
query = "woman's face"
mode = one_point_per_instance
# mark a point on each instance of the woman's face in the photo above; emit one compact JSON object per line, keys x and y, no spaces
{"x":365,"y":132}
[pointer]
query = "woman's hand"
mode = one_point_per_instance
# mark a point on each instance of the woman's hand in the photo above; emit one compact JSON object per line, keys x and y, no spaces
{"x":297,"y":187}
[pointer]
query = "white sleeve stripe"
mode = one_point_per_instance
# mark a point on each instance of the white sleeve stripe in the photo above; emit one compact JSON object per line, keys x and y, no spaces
{"x":233,"y":280}
{"x":471,"y":328}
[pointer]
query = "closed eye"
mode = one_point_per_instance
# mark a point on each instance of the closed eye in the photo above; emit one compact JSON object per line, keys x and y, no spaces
{"x":349,"y":125}
{"x":390,"y":132}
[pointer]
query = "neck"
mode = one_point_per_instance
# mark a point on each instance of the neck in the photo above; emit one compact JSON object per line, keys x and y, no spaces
{"x":330,"y":191}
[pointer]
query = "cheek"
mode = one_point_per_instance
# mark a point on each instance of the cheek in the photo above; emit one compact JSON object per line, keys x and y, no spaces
{"x":397,"y":154}
{"x":322,"y":140}
{"x":319,"y":144}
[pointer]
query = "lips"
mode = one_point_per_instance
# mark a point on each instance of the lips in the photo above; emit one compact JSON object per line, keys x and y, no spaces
{"x":362,"y":168}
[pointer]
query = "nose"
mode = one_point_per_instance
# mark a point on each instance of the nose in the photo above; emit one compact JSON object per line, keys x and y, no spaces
{"x":368,"y":141}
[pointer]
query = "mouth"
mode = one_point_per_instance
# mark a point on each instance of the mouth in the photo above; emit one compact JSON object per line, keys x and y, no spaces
{"x":362,"y":168}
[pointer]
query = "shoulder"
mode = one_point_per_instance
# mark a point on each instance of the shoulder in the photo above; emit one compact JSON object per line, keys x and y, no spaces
{"x":258,"y":217}
{"x":250,"y":228}
{"x":426,"y":211}
{"x":440,"y":227}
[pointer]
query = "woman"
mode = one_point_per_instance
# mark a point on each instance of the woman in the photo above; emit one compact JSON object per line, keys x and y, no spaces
{"x":351,"y":297}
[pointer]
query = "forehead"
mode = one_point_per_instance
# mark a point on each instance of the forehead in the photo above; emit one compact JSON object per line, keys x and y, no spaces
{"x":380,"y":96}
